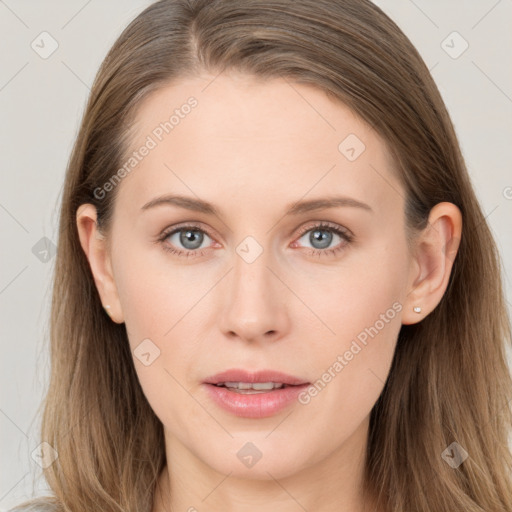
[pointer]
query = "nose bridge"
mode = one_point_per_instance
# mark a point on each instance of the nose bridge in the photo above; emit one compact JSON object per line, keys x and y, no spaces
{"x":252,"y":259}
{"x":251,"y":277}
{"x":254,"y":307}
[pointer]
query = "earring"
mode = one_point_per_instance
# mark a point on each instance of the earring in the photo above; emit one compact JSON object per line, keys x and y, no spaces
{"x":416,"y":309}
{"x":106,"y":308}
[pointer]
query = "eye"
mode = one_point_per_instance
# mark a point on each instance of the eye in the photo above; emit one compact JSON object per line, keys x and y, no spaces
{"x":185,"y":240}
{"x":188,"y":240}
{"x":323,"y":235}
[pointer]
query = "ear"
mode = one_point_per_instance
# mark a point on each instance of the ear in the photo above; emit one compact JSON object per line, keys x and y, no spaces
{"x":434,"y":253}
{"x":95,"y":246}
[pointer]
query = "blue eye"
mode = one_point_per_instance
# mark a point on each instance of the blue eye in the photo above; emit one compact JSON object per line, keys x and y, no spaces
{"x":191,"y":238}
{"x":321,"y":237}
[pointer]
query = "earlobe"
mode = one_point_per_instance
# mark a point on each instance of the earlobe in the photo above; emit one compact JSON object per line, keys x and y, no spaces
{"x":435,"y":251}
{"x":94,"y":245}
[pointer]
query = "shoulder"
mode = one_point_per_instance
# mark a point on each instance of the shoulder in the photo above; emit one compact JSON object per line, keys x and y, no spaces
{"x":34,"y":507}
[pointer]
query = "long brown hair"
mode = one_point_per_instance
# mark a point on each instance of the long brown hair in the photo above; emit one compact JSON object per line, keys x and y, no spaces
{"x":449,"y":380}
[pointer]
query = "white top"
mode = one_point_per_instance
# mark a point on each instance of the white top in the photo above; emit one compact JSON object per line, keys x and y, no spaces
{"x":41,"y":507}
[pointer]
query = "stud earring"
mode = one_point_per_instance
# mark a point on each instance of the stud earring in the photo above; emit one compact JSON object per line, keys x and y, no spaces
{"x":106,"y":308}
{"x":416,"y":309}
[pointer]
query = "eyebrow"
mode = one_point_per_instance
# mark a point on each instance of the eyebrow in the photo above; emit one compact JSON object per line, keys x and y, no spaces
{"x":296,"y":208}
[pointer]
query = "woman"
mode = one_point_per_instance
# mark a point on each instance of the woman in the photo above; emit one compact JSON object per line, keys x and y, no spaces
{"x":275,"y":287}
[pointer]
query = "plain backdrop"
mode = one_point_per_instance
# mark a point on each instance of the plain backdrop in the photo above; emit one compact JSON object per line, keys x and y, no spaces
{"x":466,"y":45}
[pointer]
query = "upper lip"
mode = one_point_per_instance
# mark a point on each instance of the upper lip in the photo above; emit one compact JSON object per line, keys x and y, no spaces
{"x":239,"y":375}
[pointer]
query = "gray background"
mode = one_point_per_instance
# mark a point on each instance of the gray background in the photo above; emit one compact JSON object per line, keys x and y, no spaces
{"x":41,"y":101}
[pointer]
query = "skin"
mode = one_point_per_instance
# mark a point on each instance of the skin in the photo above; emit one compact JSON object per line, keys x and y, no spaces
{"x":252,"y":148}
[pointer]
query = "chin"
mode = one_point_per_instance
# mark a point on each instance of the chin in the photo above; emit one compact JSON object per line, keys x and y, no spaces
{"x":255,"y":461}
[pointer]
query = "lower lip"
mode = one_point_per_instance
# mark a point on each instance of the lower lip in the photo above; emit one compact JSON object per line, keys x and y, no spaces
{"x":254,"y":405}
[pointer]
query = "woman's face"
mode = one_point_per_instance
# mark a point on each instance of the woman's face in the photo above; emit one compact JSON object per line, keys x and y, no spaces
{"x":291,"y":258}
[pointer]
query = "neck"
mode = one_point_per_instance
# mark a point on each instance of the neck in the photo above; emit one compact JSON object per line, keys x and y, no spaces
{"x":334,"y":482}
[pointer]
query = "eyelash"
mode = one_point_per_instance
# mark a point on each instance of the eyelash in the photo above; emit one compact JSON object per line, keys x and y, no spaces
{"x":332,"y":228}
{"x":322,"y":226}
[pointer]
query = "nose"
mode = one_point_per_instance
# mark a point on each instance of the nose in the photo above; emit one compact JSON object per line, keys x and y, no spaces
{"x":255,"y":305}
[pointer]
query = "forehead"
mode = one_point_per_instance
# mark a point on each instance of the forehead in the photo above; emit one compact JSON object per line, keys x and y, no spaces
{"x":249,"y":137}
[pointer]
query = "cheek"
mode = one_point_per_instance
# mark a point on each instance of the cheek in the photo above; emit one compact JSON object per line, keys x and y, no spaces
{"x":363,"y":309}
{"x":155,"y":295}
{"x":361,"y":298}
{"x":162,"y":311}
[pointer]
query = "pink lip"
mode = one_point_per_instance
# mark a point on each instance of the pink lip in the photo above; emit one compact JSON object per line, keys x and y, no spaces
{"x":239,"y":375}
{"x":257,"y":405}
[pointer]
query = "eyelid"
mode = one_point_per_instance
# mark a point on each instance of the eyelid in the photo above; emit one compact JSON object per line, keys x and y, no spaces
{"x":183,"y":225}
{"x":170,"y":230}
{"x":325,"y":225}
{"x":303,"y":229}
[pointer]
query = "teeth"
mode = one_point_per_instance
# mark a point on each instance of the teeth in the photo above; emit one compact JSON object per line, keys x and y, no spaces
{"x":258,"y":386}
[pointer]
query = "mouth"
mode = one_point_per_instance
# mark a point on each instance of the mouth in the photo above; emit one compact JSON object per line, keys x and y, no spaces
{"x":254,"y":394}
{"x":261,"y":380}
{"x":248,"y":388}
